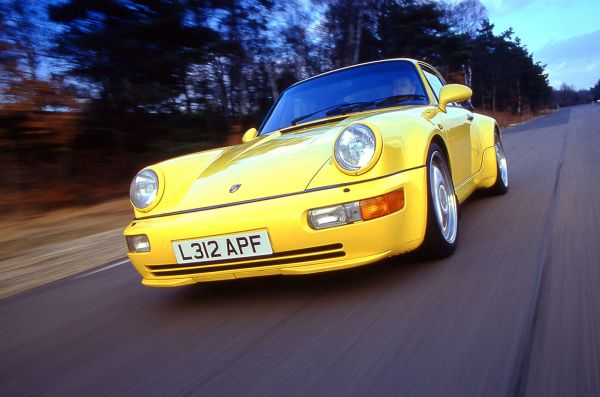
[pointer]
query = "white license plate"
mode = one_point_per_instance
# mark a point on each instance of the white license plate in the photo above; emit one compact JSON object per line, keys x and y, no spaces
{"x":233,"y":246}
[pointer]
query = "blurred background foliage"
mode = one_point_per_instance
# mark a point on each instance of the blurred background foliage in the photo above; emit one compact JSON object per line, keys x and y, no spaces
{"x":91,"y":91}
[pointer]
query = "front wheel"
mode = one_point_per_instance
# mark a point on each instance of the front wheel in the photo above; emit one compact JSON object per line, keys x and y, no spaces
{"x":442,"y":207}
{"x":501,"y":184}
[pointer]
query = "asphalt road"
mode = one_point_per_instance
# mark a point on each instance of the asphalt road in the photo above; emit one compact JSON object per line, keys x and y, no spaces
{"x":516,"y":310}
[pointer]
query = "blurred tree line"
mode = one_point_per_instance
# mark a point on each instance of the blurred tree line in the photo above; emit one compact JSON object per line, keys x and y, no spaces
{"x":569,"y":96}
{"x":91,"y":90}
{"x":595,"y":91}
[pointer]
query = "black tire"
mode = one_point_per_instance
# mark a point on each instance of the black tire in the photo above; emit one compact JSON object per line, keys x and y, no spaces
{"x":440,"y":241}
{"x":501,"y":185}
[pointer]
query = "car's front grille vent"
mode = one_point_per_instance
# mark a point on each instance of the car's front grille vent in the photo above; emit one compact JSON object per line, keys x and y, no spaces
{"x":304,"y":255}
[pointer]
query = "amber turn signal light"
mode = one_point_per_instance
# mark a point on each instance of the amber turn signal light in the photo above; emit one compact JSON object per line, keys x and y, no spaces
{"x":382,"y":205}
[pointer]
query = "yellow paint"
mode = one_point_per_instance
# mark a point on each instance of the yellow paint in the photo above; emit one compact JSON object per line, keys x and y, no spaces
{"x":293,"y":171}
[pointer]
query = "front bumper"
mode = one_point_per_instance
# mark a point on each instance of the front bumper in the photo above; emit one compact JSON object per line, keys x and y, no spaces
{"x":298,"y":249}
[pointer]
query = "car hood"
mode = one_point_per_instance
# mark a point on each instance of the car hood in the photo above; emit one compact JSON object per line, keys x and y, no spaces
{"x":287,"y":161}
{"x":272,"y":165}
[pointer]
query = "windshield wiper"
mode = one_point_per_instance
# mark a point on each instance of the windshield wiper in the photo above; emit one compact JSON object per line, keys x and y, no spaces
{"x":343,"y":108}
{"x":331,"y":110}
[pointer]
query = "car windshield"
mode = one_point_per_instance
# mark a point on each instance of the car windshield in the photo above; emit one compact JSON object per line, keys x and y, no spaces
{"x":380,"y":84}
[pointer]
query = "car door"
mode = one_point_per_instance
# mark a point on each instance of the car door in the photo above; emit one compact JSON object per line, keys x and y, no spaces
{"x":456,"y":123}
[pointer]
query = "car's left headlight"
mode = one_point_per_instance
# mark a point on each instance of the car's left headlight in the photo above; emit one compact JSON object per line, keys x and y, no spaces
{"x":144,"y":188}
{"x":355,"y":148}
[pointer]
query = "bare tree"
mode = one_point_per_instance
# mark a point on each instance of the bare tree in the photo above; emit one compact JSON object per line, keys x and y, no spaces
{"x":465,"y":17}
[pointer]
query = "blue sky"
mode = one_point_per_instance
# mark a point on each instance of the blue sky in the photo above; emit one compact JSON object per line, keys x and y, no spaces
{"x":563,"y":34}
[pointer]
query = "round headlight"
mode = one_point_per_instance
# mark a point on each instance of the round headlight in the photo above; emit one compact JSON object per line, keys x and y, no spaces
{"x":355,"y":147}
{"x":144,"y":189}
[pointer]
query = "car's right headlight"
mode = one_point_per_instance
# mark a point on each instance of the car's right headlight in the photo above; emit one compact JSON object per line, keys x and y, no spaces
{"x":144,"y":188}
{"x":356,"y":149}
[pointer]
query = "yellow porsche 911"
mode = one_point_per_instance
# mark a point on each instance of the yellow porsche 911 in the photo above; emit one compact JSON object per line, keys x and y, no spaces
{"x":348,"y":167}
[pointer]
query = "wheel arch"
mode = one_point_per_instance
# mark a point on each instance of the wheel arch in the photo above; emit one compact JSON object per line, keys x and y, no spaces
{"x":487,"y":174}
{"x":487,"y":127}
{"x":439,"y":140}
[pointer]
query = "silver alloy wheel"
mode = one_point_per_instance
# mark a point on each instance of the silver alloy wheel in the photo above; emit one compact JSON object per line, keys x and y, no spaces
{"x":443,"y":197}
{"x":501,"y":160}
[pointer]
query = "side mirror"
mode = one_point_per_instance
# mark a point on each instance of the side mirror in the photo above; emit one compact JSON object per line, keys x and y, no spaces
{"x":453,"y":93}
{"x":249,"y":135}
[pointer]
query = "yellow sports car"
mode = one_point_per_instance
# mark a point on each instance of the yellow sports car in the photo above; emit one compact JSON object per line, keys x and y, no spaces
{"x":348,"y":167}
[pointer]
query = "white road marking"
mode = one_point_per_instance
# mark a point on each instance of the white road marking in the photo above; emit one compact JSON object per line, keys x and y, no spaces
{"x":103,"y":269}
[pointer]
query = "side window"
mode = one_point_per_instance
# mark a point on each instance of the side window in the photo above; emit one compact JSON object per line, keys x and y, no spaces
{"x":435,"y":83}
